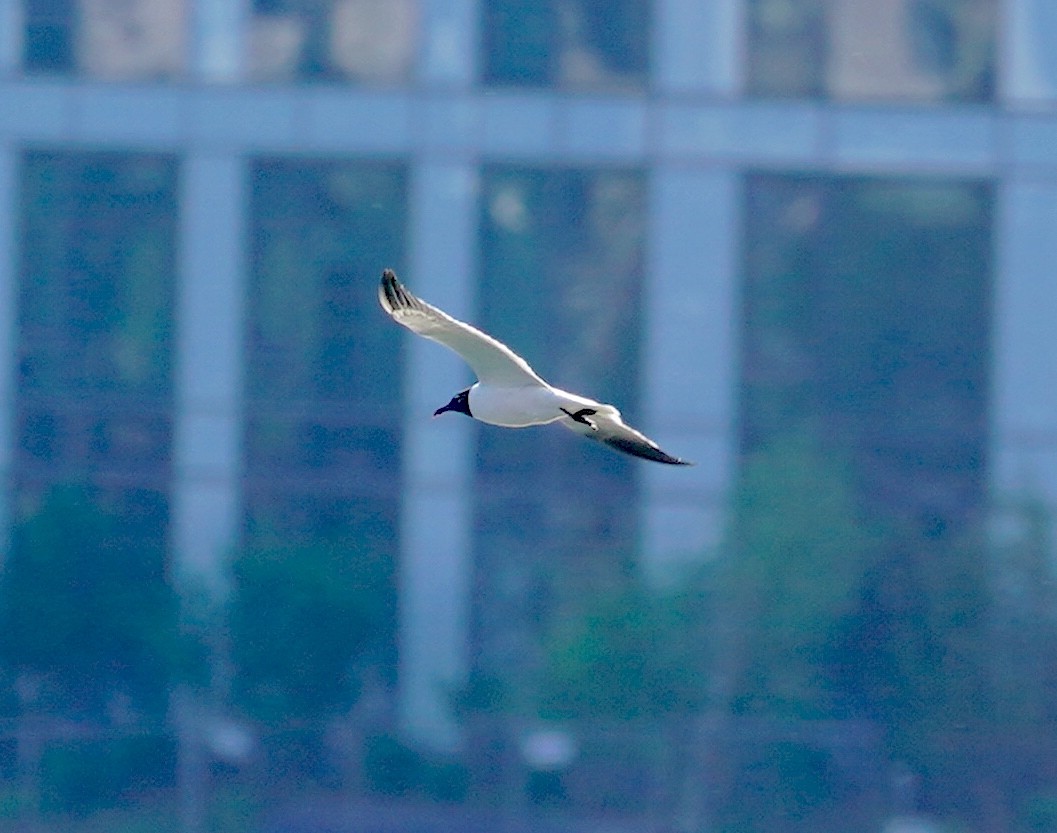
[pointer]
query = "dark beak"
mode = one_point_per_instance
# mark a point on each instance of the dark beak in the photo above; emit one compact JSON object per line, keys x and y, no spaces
{"x":440,"y":411}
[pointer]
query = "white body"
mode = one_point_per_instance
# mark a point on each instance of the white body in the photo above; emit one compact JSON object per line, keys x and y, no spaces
{"x":524,"y":406}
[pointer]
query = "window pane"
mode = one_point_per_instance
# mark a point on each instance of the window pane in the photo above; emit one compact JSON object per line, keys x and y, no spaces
{"x":365,"y":40}
{"x":106,"y":39}
{"x":567,"y":43}
{"x":562,"y":276}
{"x":95,"y":318}
{"x":323,"y":452}
{"x":94,"y":421}
{"x":867,"y":49}
{"x":866,"y":329}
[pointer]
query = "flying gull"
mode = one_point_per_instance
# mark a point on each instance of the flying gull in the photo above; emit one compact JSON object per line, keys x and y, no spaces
{"x":508,"y":392}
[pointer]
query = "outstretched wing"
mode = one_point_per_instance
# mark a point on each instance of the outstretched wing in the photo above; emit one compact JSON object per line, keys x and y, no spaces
{"x":607,"y":427}
{"x":492,"y":361}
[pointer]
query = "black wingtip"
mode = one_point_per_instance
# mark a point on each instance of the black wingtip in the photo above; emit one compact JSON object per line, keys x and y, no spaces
{"x":646,"y":452}
{"x":387,"y":290}
{"x":673,"y":461}
{"x":390,"y":285}
{"x":393,"y":294}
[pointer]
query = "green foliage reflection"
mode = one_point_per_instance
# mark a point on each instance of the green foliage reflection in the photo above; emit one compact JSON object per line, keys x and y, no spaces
{"x":305,"y":621}
{"x":87,"y":608}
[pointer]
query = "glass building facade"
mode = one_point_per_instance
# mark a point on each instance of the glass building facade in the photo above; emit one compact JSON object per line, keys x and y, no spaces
{"x":196,"y":200}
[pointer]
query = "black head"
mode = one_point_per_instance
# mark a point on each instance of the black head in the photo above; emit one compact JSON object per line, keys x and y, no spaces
{"x":460,"y":403}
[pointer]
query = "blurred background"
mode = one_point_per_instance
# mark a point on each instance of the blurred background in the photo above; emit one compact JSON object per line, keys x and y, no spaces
{"x":248,"y":584}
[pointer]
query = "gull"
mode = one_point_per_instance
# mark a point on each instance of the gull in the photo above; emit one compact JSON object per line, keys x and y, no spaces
{"x":508,"y":392}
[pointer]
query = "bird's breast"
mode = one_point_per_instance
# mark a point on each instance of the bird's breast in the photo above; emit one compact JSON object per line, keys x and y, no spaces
{"x":517,"y":407}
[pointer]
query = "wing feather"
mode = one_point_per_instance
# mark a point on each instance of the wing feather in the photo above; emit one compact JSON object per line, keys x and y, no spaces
{"x":492,"y":361}
{"x":609,"y":428}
